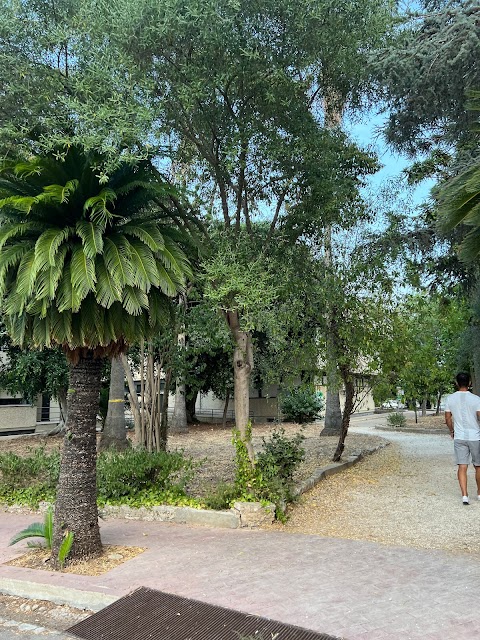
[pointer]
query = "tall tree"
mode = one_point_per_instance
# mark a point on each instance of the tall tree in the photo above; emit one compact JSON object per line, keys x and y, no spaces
{"x":244,"y":121}
{"x":89,"y":267}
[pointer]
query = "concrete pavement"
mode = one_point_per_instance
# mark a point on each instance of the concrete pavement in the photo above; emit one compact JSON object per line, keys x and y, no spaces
{"x":354,"y":589}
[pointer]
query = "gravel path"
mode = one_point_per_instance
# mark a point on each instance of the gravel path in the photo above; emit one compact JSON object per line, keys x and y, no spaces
{"x":406,"y":495}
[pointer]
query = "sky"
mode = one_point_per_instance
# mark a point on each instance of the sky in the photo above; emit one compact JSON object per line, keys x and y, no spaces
{"x":368,"y":132}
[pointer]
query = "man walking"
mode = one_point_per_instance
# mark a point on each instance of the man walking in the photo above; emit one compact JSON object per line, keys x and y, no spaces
{"x":462,"y":413}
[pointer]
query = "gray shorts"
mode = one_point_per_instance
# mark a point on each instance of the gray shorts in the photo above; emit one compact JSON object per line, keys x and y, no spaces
{"x":466,"y":448}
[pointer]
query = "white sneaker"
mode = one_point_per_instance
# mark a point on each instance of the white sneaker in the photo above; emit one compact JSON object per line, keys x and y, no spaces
{"x":465,"y":500}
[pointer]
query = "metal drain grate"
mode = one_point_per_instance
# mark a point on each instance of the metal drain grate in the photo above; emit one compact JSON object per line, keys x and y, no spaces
{"x":146,"y":614}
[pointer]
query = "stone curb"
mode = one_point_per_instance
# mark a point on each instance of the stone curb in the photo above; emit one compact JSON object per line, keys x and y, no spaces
{"x":178,"y":515}
{"x":90,"y":600}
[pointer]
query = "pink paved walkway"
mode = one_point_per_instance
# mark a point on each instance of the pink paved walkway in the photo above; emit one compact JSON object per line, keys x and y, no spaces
{"x":357,"y":590}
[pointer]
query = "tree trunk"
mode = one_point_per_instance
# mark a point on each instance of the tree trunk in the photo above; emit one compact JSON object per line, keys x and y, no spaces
{"x":133,"y":398}
{"x":164,"y":418}
{"x":424,"y":407}
{"x":347,"y":412}
{"x":76,"y":503}
{"x":333,"y":413}
{"x":242,"y":370}
{"x":190,"y":404}
{"x":178,"y":420}
{"x":114,"y":435}
{"x":62,"y":403}
{"x":333,"y":424}
{"x":225,"y":409}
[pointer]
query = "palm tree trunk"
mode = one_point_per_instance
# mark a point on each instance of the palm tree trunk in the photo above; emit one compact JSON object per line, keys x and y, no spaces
{"x":114,"y":434}
{"x":76,"y":503}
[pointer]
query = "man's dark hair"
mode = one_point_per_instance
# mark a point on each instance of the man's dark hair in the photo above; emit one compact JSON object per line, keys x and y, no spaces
{"x":463,"y":379}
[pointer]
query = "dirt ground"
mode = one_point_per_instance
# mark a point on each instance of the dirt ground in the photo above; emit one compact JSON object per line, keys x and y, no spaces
{"x":429,"y":422}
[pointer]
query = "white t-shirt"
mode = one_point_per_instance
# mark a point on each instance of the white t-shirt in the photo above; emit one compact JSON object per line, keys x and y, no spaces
{"x":464,"y":405}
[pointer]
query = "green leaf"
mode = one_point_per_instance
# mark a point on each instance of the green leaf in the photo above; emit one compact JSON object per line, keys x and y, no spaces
{"x":35,"y":530}
{"x":65,"y":547}
{"x":108,"y":289}
{"x":91,"y":236}
{"x":117,"y":259}
{"x":47,"y":246}
{"x":144,"y":265}
{"x":149,"y":234}
{"x":97,"y":207}
{"x":134,"y":301}
{"x":82,"y":273}
{"x":67,"y":297}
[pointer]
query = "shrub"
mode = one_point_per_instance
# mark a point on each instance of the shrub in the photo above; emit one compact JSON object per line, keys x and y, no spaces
{"x":221,"y":497}
{"x":301,"y":405}
{"x":126,"y":477}
{"x":280,"y":456}
{"x":271,"y":478}
{"x":396,"y":420}
{"x":29,"y":479}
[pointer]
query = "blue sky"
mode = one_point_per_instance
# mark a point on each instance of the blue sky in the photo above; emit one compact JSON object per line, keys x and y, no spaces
{"x":368,"y":132}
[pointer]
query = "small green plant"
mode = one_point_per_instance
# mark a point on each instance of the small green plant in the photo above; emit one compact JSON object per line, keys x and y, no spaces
{"x":396,"y":420}
{"x":221,"y":497}
{"x":301,"y":404}
{"x":44,"y":530}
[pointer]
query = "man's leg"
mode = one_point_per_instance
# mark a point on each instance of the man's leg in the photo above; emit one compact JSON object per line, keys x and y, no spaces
{"x":462,"y":478}
{"x":477,"y":478}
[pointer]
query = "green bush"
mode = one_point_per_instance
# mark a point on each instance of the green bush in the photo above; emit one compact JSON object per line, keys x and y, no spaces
{"x":221,"y":497}
{"x":280,"y":456}
{"x":133,"y":477}
{"x":271,"y":479}
{"x":396,"y":420}
{"x":29,"y":479}
{"x":301,"y":405}
{"x":129,"y":476}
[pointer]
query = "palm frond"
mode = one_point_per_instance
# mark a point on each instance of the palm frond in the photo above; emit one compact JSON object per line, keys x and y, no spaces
{"x":108,"y":290}
{"x":17,"y":230}
{"x":19,"y":203}
{"x":26,"y":274}
{"x":149,"y":234}
{"x":117,"y":259}
{"x":97,"y":207}
{"x":48,"y":244}
{"x":82,"y":273}
{"x":144,"y":266}
{"x":35,"y":530}
{"x":67,"y":298}
{"x":134,"y":300}
{"x":92,"y":238}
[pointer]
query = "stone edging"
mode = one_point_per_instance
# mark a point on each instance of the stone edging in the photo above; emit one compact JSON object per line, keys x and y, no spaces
{"x":243,"y":514}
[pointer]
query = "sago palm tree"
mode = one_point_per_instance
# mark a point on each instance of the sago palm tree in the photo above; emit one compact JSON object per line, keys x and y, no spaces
{"x":89,"y":266}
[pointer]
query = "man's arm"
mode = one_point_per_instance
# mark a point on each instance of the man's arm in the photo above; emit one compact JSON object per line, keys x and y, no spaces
{"x":449,"y":421}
